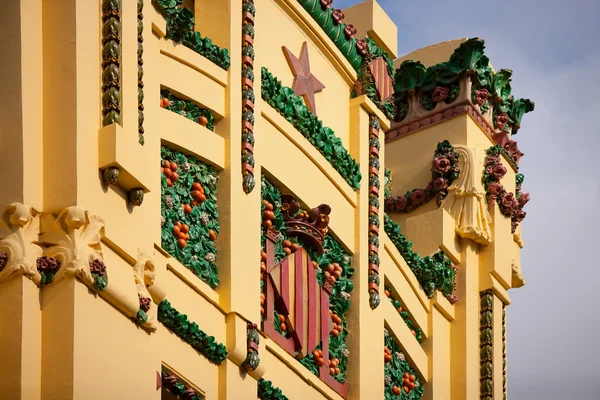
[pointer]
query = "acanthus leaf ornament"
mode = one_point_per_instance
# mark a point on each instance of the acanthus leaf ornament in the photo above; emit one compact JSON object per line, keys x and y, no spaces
{"x":73,"y":238}
{"x":19,"y":228}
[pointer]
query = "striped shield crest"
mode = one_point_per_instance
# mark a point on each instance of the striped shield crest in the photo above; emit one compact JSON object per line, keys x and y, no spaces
{"x":382,"y":79}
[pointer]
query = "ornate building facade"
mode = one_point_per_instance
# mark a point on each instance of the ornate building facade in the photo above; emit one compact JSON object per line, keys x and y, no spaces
{"x":153,"y":148}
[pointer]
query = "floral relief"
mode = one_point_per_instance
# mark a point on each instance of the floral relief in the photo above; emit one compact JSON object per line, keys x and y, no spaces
{"x":72,"y":239}
{"x":510,"y":204}
{"x":444,"y":170}
{"x":19,"y":250}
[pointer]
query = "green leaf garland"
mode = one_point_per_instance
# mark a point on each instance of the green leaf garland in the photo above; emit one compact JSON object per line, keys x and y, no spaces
{"x":394,"y":374}
{"x":191,"y":333}
{"x":180,"y":29}
{"x":293,"y":109}
{"x":433,"y":272}
{"x":188,"y":109}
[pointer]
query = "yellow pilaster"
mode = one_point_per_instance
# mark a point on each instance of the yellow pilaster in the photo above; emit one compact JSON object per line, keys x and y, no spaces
{"x":465,"y":329}
{"x":365,"y":344}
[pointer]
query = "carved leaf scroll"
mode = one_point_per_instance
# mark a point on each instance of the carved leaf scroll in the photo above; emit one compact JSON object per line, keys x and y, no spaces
{"x":73,"y":238}
{"x":19,"y":227}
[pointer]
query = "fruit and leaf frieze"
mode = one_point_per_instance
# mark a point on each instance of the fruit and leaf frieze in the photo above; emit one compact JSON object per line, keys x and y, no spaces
{"x":434,"y":272}
{"x":486,"y":343}
{"x":287,"y":232}
{"x":189,"y":331}
{"x":248,"y":96}
{"x":189,"y":217}
{"x":111,"y":62}
{"x":400,"y":380}
{"x":444,"y":170}
{"x":266,"y":391}
{"x":428,"y":95}
{"x":510,"y":204}
{"x":180,"y":29}
{"x":188,"y":109}
{"x":374,"y":210}
{"x":140,"y":62}
{"x":415,"y":330}
{"x":293,"y":109}
{"x":177,"y":387}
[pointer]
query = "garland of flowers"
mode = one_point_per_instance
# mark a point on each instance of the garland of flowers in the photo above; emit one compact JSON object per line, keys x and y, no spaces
{"x":333,"y":265}
{"x":510,"y":205}
{"x":188,"y":109}
{"x":433,"y":272}
{"x":486,"y":342}
{"x":374,"y":185}
{"x":189,"y":217}
{"x":444,"y":170}
{"x":266,"y":391}
{"x":111,"y":62}
{"x":248,"y":97}
{"x":253,"y":340}
{"x":140,"y":31}
{"x":400,"y":380}
{"x":504,"y":387}
{"x":47,"y":267}
{"x":293,"y":109}
{"x":415,"y":330}
{"x":439,"y":83}
{"x":358,"y":52}
{"x":190,"y":332}
{"x":180,"y":29}
{"x":178,"y":388}
{"x":523,"y":198}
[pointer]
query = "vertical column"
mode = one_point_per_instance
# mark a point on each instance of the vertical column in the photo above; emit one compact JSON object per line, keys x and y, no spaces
{"x":240,"y":212}
{"x":58,"y":338}
{"x":366,"y":343}
{"x":21,"y":150}
{"x":437,"y":347}
{"x":60,"y":104}
{"x":465,"y":328}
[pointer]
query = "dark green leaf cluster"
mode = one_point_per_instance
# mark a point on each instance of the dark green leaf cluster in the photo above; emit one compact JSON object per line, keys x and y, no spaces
{"x":292,"y":108}
{"x":433,"y":272}
{"x":469,"y":58}
{"x":339,"y":300}
{"x":180,"y":29}
{"x":266,"y":391}
{"x":190,"y":332}
{"x":394,"y":372}
{"x":200,"y":252}
{"x":405,"y":316}
{"x":188,"y":109}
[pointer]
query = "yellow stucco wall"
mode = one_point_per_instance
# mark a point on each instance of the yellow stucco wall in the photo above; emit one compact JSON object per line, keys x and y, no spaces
{"x":65,"y":341}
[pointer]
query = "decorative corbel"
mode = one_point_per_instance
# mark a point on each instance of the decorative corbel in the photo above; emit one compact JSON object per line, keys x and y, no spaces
{"x":466,"y":201}
{"x":144,"y":276}
{"x":517,"y":276}
{"x":19,"y":228}
{"x":72,"y":239}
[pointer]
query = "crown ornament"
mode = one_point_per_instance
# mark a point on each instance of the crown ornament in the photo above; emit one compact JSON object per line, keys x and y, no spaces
{"x":310,"y":226}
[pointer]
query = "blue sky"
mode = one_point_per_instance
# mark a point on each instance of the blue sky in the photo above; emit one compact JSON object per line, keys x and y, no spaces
{"x":553,"y":49}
